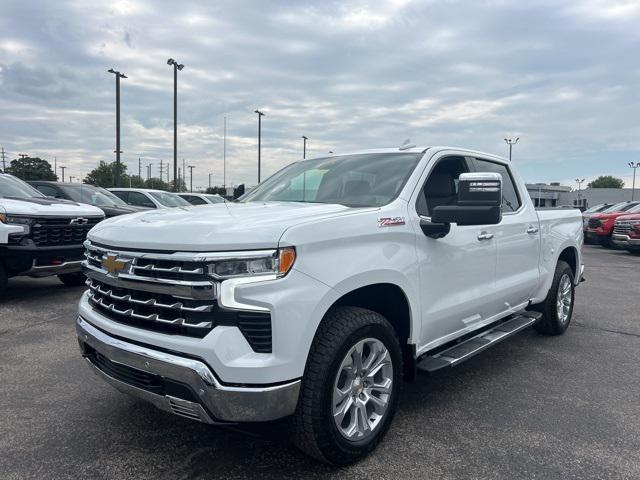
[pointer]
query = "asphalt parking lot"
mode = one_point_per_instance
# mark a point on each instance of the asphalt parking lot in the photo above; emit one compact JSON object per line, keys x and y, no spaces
{"x":532,"y":407}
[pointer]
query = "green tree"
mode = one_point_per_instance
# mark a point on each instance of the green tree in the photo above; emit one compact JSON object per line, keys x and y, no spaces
{"x":157,"y":184}
{"x":136,"y":182}
{"x":28,"y":168}
{"x":606,"y":181}
{"x":216,"y":190}
{"x":105,"y":173}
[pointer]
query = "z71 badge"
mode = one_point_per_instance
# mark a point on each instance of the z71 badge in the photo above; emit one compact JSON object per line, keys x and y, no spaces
{"x":390,"y":221}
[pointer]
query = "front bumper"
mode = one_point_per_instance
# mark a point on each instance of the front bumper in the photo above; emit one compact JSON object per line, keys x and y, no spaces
{"x":625,"y":240}
{"x":33,"y":261}
{"x":180,"y":385}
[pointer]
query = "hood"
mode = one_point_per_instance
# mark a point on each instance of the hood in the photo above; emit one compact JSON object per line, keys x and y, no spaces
{"x":45,"y":206}
{"x":114,"y":211}
{"x":218,"y":227}
{"x":629,"y":216}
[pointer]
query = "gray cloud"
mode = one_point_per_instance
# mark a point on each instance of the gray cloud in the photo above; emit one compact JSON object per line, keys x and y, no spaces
{"x":349,"y":75}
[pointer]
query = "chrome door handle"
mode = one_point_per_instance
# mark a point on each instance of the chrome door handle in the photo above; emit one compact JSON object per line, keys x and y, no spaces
{"x":531,"y":230}
{"x":485,"y":236}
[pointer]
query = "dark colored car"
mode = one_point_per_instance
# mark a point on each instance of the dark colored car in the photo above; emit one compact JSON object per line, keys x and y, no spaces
{"x":111,"y":205}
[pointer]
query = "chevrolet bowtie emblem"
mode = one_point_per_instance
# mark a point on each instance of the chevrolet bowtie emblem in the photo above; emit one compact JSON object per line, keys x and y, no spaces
{"x":114,"y":266}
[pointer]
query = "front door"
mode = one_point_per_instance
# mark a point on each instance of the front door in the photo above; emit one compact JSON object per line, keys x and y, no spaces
{"x":457,"y":272}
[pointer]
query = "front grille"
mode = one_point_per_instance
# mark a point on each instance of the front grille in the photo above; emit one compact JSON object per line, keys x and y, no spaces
{"x":129,"y":375}
{"x":594,"y":223}
{"x":622,"y":227}
{"x":61,"y":230}
{"x":174,"y":297}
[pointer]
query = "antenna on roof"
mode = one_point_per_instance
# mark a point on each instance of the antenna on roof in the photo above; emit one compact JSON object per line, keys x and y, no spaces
{"x":406,"y":145}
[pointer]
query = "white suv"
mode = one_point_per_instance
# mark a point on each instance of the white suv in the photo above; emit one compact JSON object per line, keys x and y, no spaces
{"x":149,"y":198}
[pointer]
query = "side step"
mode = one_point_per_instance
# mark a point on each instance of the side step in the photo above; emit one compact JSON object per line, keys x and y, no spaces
{"x":460,"y":352}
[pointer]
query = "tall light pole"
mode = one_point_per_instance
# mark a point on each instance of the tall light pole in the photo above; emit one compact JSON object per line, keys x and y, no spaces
{"x":304,"y":147}
{"x":176,"y":66}
{"x":511,"y":143}
{"x":210,"y":181}
{"x":224,"y":155}
{"x":579,"y":182}
{"x":62,"y":168}
{"x":4,"y":165}
{"x":71,"y":177}
{"x":260,"y":115}
{"x":117,"y":150}
{"x":633,"y":188}
{"x":191,"y":167}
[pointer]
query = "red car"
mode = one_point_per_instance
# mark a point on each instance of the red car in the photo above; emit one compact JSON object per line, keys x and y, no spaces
{"x":626,"y":232}
{"x":600,"y":227}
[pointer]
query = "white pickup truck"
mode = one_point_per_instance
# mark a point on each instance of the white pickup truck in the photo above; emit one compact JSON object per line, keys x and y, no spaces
{"x":41,"y":236}
{"x":324,"y":288}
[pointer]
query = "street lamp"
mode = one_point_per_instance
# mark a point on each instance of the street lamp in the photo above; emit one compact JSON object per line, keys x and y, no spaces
{"x":579,"y":182}
{"x":210,"y":180}
{"x":511,"y":143}
{"x":62,"y":168}
{"x":176,"y":66}
{"x":633,"y":188}
{"x":304,"y":147}
{"x":117,"y":150}
{"x":191,"y":167}
{"x":260,"y":115}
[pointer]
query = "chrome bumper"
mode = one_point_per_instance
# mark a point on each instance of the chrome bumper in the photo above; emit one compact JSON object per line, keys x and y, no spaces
{"x":211,"y":401}
{"x":625,"y":240}
{"x":48,"y":270}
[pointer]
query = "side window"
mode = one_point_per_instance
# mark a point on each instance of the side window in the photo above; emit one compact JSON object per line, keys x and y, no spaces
{"x":441,"y":187}
{"x":121,"y":195}
{"x":140,"y":200}
{"x":49,"y":191}
{"x":510,"y":199}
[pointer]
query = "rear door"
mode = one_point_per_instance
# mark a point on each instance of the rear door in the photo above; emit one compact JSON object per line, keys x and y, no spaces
{"x":517,"y":238}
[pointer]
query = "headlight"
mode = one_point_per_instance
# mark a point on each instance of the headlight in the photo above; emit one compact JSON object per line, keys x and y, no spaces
{"x":276,"y":262}
{"x":24,"y":221}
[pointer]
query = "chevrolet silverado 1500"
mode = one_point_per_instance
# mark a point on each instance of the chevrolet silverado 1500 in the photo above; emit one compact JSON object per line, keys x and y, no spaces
{"x":41,"y":236}
{"x":324,"y":288}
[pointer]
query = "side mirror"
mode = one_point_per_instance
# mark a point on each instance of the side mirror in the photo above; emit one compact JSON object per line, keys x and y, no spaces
{"x":479,"y":201}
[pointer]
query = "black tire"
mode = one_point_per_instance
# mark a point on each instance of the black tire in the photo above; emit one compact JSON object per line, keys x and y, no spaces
{"x":76,"y":279}
{"x":313,"y":429}
{"x":3,"y":281}
{"x":551,"y":323}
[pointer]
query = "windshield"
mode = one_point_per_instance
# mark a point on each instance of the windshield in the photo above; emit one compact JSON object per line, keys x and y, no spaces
{"x":92,"y":195}
{"x":13,"y":187}
{"x":635,"y":209}
{"x":214,"y":198}
{"x":365,"y":180}
{"x":596,"y":209}
{"x":621,"y":207}
{"x":169,"y":199}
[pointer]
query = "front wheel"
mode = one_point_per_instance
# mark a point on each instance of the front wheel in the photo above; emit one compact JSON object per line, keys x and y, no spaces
{"x":557,"y":308}
{"x":75,"y":279}
{"x":350,"y":387}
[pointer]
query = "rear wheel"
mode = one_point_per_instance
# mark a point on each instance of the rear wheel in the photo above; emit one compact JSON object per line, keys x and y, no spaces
{"x":350,"y":387}
{"x":75,"y":279}
{"x":557,"y":308}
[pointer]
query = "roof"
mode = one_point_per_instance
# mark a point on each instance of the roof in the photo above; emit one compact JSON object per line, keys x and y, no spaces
{"x":421,"y":149}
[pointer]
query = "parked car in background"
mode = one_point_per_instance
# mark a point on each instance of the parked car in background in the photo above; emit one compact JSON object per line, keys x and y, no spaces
{"x":324,"y":288}
{"x":626,"y":232}
{"x":201,"y":198}
{"x":148,"y":198}
{"x":106,"y":201}
{"x":586,"y":215}
{"x":600,"y":226}
{"x":41,"y":236}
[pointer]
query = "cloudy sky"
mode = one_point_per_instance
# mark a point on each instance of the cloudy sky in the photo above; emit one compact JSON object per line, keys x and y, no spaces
{"x":564,"y":76}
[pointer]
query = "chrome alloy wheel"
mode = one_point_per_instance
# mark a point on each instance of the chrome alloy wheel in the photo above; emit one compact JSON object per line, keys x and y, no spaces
{"x":362,"y":389}
{"x":564,"y":299}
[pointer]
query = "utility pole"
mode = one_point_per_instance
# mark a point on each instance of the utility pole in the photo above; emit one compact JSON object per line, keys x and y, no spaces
{"x":191,"y":167}
{"x":161,"y":169}
{"x":117,"y":150}
{"x":62,"y":168}
{"x":23,"y":156}
{"x":260,"y":115}
{"x":511,"y":143}
{"x":140,"y":168}
{"x":224,"y":155}
{"x":55,"y":167}
{"x":579,"y":182}
{"x":4,"y":165}
{"x":179,"y":176}
{"x":304,"y":147}
{"x":209,"y":181}
{"x":176,"y":66}
{"x":71,"y":177}
{"x":633,"y":188}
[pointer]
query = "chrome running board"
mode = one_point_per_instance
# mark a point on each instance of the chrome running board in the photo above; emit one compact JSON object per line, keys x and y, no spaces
{"x":466,"y":349}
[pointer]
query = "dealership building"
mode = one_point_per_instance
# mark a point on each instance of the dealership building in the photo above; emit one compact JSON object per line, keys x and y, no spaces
{"x":555,"y":195}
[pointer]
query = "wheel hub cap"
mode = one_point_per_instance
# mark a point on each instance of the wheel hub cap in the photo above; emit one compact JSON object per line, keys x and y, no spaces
{"x":564,"y":298}
{"x":362,"y":389}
